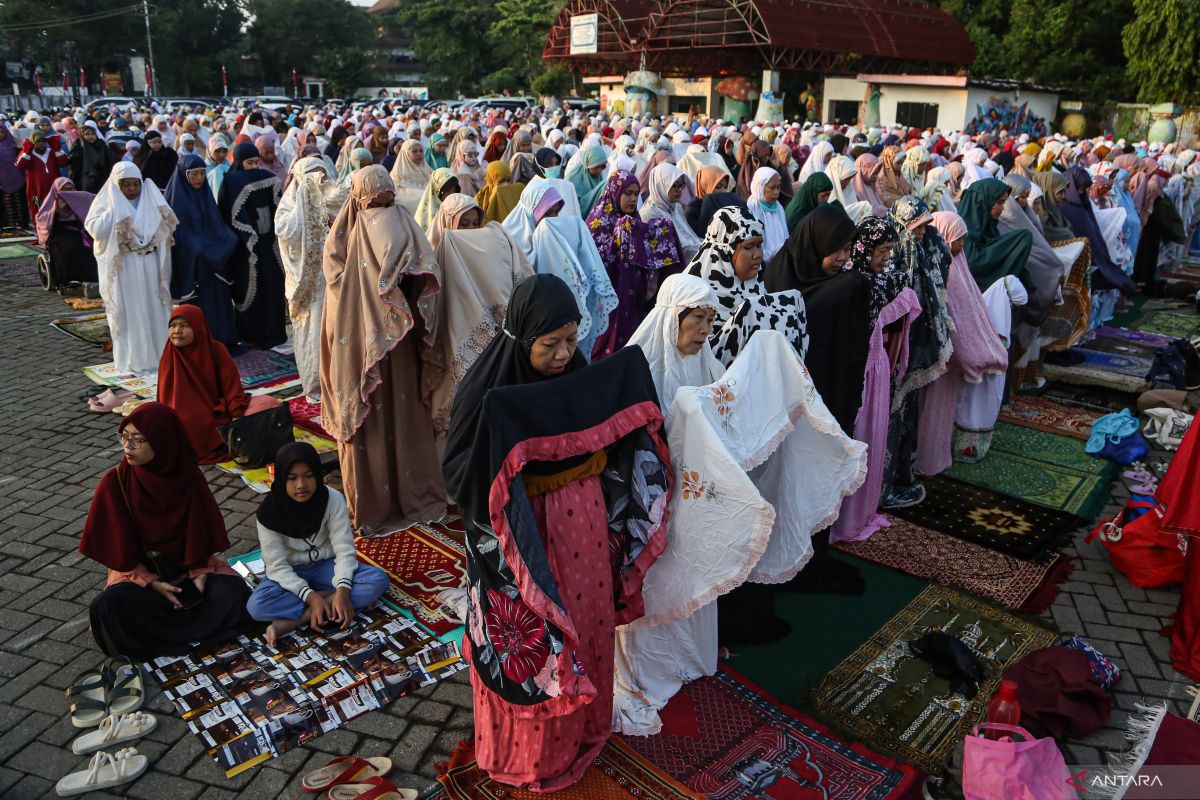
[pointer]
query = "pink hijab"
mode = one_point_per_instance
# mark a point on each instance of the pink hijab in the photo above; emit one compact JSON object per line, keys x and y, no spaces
{"x":78,"y":204}
{"x":864,"y":183}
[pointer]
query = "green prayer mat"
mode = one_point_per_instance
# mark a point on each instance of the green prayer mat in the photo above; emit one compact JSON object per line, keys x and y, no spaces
{"x":825,"y":629}
{"x":1181,"y":325}
{"x":890,"y":700}
{"x":1042,"y":468}
{"x":16,"y":250}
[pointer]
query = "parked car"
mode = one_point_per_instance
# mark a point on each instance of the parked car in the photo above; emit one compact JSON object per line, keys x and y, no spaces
{"x":581,"y":104}
{"x":120,"y":102}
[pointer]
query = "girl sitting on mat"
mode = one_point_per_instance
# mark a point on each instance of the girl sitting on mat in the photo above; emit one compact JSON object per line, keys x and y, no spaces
{"x":307,"y":543}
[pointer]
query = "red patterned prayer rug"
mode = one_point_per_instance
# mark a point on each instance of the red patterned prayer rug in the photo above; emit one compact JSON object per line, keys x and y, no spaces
{"x":1026,"y":586}
{"x":618,"y":773}
{"x":728,"y":739}
{"x":1046,"y":415}
{"x":421,"y":561}
{"x":307,"y":415}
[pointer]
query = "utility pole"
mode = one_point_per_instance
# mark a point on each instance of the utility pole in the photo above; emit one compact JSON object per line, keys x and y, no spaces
{"x":150,"y":46}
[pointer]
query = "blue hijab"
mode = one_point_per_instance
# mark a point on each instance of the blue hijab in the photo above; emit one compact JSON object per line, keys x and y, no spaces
{"x":201,"y":234}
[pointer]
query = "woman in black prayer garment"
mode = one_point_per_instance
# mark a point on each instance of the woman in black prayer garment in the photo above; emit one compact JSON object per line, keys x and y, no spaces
{"x":838,"y":305}
{"x":248,"y":198}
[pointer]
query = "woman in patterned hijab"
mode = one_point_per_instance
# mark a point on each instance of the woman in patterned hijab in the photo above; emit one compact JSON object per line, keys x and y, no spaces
{"x":730,"y":259}
{"x":637,"y":254}
{"x":924,"y":258}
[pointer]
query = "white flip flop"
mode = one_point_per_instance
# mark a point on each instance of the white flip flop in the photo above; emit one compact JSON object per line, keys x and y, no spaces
{"x":115,"y":730}
{"x":104,"y":772}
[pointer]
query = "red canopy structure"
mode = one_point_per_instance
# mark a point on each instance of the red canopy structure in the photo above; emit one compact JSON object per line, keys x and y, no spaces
{"x":714,"y":36}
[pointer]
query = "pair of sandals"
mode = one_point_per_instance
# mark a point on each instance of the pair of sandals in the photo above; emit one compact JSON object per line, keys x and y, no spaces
{"x":1144,"y":481}
{"x":113,"y":689}
{"x":354,"y":778}
{"x":109,"y":399}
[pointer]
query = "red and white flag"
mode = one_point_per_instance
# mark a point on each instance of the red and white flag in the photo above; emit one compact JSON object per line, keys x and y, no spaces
{"x":37,"y":76}
{"x":149,"y":79}
{"x":224,"y":81}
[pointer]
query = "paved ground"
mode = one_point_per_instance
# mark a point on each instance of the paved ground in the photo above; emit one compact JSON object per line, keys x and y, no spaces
{"x":51,"y":455}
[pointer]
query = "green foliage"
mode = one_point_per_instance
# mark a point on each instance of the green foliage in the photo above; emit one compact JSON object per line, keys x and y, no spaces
{"x":503,"y":78}
{"x":519,"y":34}
{"x":450,"y":37}
{"x":1162,"y":44}
{"x":554,"y":82}
{"x":208,"y":32}
{"x":1074,"y":44}
{"x":317,"y":37}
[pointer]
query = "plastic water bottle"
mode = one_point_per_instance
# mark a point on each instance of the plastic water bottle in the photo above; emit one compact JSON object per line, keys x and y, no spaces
{"x":1004,"y":709}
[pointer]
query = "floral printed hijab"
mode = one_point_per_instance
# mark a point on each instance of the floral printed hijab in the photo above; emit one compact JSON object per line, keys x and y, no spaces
{"x":926,"y":264}
{"x":627,"y":240}
{"x":885,"y":285}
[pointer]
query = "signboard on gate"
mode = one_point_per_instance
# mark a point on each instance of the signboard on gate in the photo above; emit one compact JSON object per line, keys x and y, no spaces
{"x":585,"y":34}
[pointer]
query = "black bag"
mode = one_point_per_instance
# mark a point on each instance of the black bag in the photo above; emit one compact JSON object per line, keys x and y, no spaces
{"x":1176,"y":366}
{"x":255,"y":439}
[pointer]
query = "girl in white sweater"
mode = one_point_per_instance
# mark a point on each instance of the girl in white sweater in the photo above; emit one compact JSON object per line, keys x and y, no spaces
{"x":307,"y":543}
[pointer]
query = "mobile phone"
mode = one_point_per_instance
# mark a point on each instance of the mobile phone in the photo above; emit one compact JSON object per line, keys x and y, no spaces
{"x":189,"y":596}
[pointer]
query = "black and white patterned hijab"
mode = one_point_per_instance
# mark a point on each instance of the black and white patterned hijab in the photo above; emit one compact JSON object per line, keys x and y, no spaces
{"x":745,"y":306}
{"x":714,"y":261}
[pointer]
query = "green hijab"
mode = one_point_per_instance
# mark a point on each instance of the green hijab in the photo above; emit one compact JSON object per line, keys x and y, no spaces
{"x":806,"y":200}
{"x":588,"y":187}
{"x":990,"y":254}
{"x":433,"y":158}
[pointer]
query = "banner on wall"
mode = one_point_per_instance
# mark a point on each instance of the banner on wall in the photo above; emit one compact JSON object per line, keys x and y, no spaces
{"x":585,"y":34}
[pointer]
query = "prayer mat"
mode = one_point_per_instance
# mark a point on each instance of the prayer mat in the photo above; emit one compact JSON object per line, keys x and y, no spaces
{"x":617,"y":773}
{"x":420,"y":562}
{"x":84,"y":303}
{"x":258,"y":367}
{"x":826,"y":628}
{"x":17,"y":235}
{"x":1042,"y":414}
{"x":1094,"y":399}
{"x":22,"y":272}
{"x":727,"y":739}
{"x":887,"y":698}
{"x":1026,"y":586}
{"x":1170,"y":324}
{"x":248,"y":702}
{"x":90,"y":328}
{"x":977,"y":514}
{"x":1095,"y":375}
{"x":307,"y":415}
{"x":11,"y":251}
{"x":1040,"y":468}
{"x":260,"y":479}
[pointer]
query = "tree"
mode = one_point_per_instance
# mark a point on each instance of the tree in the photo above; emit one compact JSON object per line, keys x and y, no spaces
{"x":450,"y":37}
{"x":554,"y":82}
{"x":1074,"y":44}
{"x":1161,"y":42}
{"x":192,"y":40}
{"x":519,"y":34}
{"x":332,"y":30}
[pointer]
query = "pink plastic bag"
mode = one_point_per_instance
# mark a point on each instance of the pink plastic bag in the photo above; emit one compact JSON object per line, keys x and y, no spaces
{"x":1032,"y":769}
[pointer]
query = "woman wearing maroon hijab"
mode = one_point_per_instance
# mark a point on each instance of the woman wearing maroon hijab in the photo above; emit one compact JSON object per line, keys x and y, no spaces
{"x":199,"y":380}
{"x":154,"y":523}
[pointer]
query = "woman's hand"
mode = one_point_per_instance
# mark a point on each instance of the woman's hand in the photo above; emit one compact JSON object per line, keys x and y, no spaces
{"x":200,"y":580}
{"x":342,"y":608}
{"x":318,"y":610}
{"x":168,"y":590}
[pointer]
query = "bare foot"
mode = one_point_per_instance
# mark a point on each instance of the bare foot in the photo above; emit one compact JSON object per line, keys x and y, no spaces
{"x":271,"y":635}
{"x":280,"y":627}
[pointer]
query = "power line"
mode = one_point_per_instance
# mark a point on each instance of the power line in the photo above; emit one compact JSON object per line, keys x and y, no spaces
{"x":61,"y":22}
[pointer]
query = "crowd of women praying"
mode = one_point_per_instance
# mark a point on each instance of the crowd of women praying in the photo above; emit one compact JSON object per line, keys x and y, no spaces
{"x":657,"y":364}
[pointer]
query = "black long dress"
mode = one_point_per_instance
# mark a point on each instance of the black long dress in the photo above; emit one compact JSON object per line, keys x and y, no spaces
{"x":91,"y":163}
{"x":248,"y":199}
